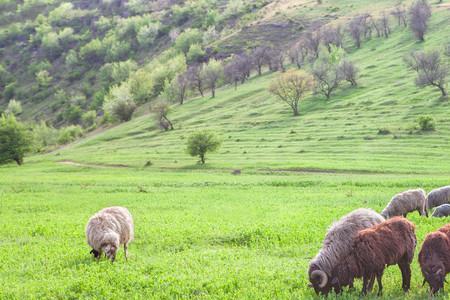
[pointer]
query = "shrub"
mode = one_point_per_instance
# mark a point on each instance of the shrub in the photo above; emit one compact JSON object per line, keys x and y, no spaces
{"x":426,"y":123}
{"x":188,"y":38}
{"x":88,"y":118}
{"x":72,"y":114}
{"x":15,"y":140}
{"x":43,"y":136}
{"x":69,"y":134}
{"x":43,"y":79}
{"x":147,"y":34}
{"x":199,"y":143}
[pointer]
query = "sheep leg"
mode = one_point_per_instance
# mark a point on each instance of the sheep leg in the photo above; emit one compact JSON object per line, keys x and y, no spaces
{"x":371,"y":283}
{"x":380,"y":285}
{"x":125,"y":249}
{"x":366,"y":278}
{"x":406,"y":275}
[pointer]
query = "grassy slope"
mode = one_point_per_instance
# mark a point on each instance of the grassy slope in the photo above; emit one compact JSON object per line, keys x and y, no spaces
{"x":205,"y":233}
{"x":259,"y":132}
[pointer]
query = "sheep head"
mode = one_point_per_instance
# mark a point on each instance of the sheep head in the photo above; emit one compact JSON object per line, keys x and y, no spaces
{"x":433,"y":258}
{"x":319,"y":281}
{"x":95,"y":253}
{"x":110,"y":245}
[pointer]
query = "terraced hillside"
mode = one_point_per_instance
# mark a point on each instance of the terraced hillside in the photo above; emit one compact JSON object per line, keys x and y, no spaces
{"x":340,"y":134}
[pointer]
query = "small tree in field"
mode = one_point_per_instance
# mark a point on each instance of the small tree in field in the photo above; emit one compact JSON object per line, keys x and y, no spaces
{"x":15,"y":141}
{"x":291,"y":87}
{"x":199,"y":143}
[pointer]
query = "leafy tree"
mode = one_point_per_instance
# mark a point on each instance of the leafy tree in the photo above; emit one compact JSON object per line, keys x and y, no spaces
{"x":212,"y":74}
{"x":201,"y":142}
{"x":147,"y":34}
{"x":43,"y":79}
{"x":50,"y":43}
{"x":119,"y":102}
{"x":141,"y":86}
{"x":188,"y":38}
{"x":93,"y":51}
{"x":177,"y":89}
{"x":291,"y":87}
{"x":15,"y":141}
{"x":43,"y":136}
{"x":195,"y":54}
{"x":14,"y":107}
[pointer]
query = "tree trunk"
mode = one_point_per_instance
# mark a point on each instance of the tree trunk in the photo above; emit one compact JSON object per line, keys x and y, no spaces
{"x":259,"y":70}
{"x":213,"y":92}
{"x":443,"y":91}
{"x":202,"y":158}
{"x":18,"y":160}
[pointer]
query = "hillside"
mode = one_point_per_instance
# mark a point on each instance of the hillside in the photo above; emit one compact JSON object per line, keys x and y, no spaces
{"x":340,"y":134}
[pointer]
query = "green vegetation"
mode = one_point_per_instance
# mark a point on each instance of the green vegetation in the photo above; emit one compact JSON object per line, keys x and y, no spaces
{"x":204,"y":230}
{"x":202,"y":142}
{"x":14,"y":140}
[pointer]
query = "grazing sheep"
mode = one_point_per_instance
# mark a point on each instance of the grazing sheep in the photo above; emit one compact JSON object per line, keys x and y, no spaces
{"x":441,"y":211}
{"x":438,"y":197}
{"x":389,"y":243}
{"x":406,"y":202}
{"x":434,"y":258}
{"x":333,"y":267}
{"x":108,"y":229}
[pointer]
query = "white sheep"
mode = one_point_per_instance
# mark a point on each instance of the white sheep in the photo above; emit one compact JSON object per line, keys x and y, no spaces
{"x":406,"y":202}
{"x":108,"y":229}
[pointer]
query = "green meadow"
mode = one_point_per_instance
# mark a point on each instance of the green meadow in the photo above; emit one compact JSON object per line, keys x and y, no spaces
{"x":203,"y":233}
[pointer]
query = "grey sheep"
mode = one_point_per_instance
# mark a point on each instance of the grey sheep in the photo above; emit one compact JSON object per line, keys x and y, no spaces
{"x":438,"y":197}
{"x":325,"y":270}
{"x":406,"y":202}
{"x":441,"y":211}
{"x":108,"y":229}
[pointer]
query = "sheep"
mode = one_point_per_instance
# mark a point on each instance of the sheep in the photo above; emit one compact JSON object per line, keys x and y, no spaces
{"x":406,"y":202}
{"x":434,"y":258}
{"x":108,"y":229}
{"x":438,"y":197}
{"x":388,"y":243}
{"x":441,"y":211}
{"x":333,"y":268}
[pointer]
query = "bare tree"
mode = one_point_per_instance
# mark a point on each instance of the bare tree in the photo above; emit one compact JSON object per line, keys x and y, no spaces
{"x":399,"y":13}
{"x":231,"y":72}
{"x":381,"y":26}
{"x":195,"y":78}
{"x":430,"y":69}
{"x":312,"y":42}
{"x":290,"y":87}
{"x":420,"y":13}
{"x":327,"y":77}
{"x":276,"y":60}
{"x":260,"y":57}
{"x":181,"y":85}
{"x":297,"y":54}
{"x":360,"y":28}
{"x":332,"y":36}
{"x":348,"y":71}
{"x":161,"y":110}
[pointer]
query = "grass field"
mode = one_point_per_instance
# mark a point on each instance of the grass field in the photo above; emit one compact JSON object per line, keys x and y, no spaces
{"x":204,"y":233}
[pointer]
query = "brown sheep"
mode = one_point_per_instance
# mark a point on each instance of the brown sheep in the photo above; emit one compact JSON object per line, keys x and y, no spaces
{"x":434,"y":258}
{"x":388,"y":243}
{"x":334,"y":267}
